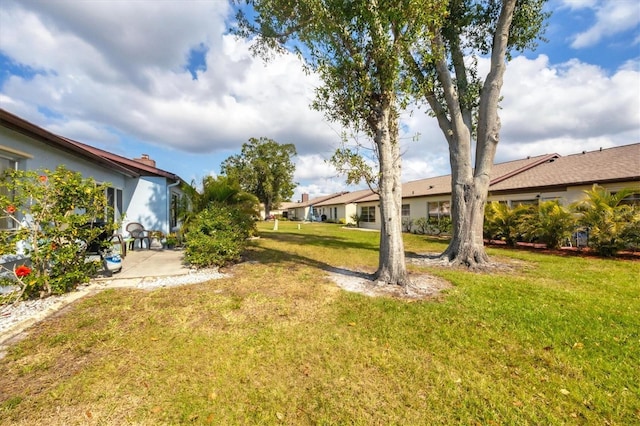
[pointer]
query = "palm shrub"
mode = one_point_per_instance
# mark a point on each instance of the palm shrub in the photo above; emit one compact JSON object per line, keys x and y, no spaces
{"x":214,"y":190}
{"x":53,"y":213}
{"x":549,"y":223}
{"x":218,"y":235}
{"x":502,"y":222}
{"x":607,"y":219}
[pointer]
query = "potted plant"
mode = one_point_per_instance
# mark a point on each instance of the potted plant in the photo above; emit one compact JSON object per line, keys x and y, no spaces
{"x":172,"y":240}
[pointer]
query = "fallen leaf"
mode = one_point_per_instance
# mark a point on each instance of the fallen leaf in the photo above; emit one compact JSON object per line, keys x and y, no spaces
{"x":193,"y":417}
{"x":578,"y":345}
{"x":88,"y":414}
{"x":213,"y":395}
{"x":352,"y":324}
{"x":156,"y":409}
{"x":280,"y":416}
{"x":564,"y":391}
{"x":517,"y":403}
{"x":210,"y":418}
{"x":574,"y":415}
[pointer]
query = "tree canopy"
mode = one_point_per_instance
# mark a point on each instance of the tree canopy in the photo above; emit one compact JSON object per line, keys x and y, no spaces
{"x":265,"y":169}
{"x":357,"y":48}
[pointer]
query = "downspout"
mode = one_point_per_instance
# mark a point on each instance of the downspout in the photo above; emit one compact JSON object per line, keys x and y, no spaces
{"x":173,"y":185}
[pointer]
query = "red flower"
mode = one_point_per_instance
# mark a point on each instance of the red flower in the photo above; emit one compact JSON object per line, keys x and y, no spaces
{"x":42,"y":178}
{"x":11,"y":209}
{"x":22,"y":271}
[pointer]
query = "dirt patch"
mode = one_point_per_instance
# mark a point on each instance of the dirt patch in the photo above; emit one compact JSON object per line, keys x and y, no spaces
{"x":495,"y":265}
{"x":422,"y":286}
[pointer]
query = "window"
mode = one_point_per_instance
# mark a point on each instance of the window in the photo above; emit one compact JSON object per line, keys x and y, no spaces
{"x":533,"y":202}
{"x":438,"y":209}
{"x":7,"y":163}
{"x":632,"y":200}
{"x":406,"y":210}
{"x":114,"y":201}
{"x":368,"y":214}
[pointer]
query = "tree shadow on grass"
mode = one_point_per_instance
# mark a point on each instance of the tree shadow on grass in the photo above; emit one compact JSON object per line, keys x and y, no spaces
{"x":275,"y":256}
{"x":321,"y":240}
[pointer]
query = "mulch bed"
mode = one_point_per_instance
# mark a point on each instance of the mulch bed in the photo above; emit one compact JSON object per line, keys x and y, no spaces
{"x":564,"y":251}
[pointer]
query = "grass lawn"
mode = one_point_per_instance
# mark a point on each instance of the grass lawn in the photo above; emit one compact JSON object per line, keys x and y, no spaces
{"x":556,"y":341}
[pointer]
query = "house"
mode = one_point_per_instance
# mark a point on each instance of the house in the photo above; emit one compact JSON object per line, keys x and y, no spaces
{"x":138,"y":190}
{"x":307,"y":209}
{"x":342,"y":207}
{"x":524,"y":181}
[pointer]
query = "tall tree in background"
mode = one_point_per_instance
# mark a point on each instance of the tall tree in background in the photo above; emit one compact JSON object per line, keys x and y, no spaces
{"x":444,"y":68}
{"x":356,"y":47}
{"x":265,"y":169}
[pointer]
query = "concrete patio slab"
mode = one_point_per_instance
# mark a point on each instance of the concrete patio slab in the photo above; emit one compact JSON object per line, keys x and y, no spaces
{"x":151,"y":263}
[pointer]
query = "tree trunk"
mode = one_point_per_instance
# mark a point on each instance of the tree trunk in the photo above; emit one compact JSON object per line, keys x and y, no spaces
{"x":391,"y":263}
{"x":470,"y":185}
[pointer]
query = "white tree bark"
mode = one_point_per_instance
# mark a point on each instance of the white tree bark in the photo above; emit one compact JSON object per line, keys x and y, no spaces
{"x":469,"y":185}
{"x":391,"y":264}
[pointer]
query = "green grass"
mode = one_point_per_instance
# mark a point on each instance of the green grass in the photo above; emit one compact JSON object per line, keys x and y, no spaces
{"x":557,"y":341}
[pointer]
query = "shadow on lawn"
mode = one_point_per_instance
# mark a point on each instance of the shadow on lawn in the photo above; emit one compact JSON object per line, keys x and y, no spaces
{"x":320,"y":240}
{"x":276,"y":256}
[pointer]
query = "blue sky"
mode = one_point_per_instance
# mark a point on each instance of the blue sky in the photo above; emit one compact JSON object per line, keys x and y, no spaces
{"x":166,"y":79}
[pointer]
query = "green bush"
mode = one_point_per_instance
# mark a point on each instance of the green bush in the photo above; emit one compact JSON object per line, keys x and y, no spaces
{"x":218,"y":235}
{"x":502,"y":222}
{"x":59,"y":206}
{"x":610,"y":223}
{"x":407,"y":224}
{"x":549,"y":223}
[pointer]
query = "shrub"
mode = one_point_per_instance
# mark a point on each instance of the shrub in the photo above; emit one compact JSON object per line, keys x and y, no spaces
{"x":53,"y":214}
{"x":356,"y":219}
{"x":502,"y":222}
{"x":407,"y":224}
{"x":549,"y":223}
{"x":218,"y":235}
{"x":422,"y":224}
{"x":607,"y":220}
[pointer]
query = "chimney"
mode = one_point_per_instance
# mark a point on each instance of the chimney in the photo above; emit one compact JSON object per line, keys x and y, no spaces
{"x":305,"y":198}
{"x":144,"y":159}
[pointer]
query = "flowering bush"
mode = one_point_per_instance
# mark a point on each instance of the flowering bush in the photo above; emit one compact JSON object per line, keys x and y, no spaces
{"x":51,"y":215}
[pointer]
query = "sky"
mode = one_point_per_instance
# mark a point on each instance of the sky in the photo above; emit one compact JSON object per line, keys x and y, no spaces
{"x":165,"y":78}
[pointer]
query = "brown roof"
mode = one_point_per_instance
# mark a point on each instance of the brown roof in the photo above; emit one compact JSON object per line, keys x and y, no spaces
{"x":141,"y":168}
{"x":617,"y":164}
{"x":345,"y":198}
{"x":315,"y":201}
{"x":111,"y":161}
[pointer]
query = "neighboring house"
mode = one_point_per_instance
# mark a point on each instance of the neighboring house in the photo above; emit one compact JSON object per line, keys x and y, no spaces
{"x":138,"y":190}
{"x":307,"y":209}
{"x":282,"y":210}
{"x":342,"y":207}
{"x":526,"y":181}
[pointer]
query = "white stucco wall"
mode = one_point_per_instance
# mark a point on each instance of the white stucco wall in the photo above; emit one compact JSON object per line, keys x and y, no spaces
{"x":148,"y":203}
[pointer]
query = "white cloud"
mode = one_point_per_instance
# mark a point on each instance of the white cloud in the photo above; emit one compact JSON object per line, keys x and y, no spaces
{"x":569,"y":101}
{"x":611,"y":17}
{"x":108,"y":69}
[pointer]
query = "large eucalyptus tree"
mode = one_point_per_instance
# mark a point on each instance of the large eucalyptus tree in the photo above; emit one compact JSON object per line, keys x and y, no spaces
{"x":357,"y":48}
{"x":444,"y":67}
